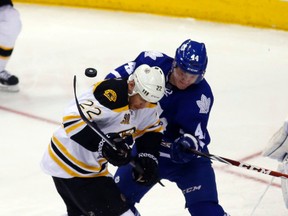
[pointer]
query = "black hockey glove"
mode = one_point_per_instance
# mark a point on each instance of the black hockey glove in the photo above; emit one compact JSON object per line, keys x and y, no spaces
{"x":148,"y":176}
{"x":119,"y":156}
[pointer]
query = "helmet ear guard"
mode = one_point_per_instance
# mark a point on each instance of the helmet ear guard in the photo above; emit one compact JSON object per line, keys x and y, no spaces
{"x":149,"y":83}
{"x":134,"y":92}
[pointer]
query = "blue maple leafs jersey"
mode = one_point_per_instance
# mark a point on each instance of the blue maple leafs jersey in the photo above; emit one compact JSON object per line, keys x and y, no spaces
{"x":181,"y":111}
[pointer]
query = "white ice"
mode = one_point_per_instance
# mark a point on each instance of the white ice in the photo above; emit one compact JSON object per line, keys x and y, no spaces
{"x":248,"y":71}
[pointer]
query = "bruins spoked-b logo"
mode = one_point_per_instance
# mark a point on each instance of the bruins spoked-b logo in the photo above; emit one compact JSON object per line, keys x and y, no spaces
{"x":111,"y":95}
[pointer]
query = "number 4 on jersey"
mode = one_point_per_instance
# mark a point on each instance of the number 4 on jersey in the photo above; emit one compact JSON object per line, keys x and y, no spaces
{"x":199,"y":132}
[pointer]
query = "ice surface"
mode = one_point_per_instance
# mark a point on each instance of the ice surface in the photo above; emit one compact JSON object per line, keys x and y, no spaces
{"x":247,"y":70}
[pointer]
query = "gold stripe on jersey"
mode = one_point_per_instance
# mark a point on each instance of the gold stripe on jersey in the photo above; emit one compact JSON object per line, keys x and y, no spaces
{"x":67,"y":121}
{"x":96,"y":85}
{"x":157,"y":127}
{"x":72,"y":122}
{"x":5,"y":52}
{"x":74,"y":160}
{"x":74,"y":126}
{"x":151,"y":105}
{"x":68,"y":170}
{"x":69,"y":118}
{"x":61,"y":164}
{"x":121,"y":109}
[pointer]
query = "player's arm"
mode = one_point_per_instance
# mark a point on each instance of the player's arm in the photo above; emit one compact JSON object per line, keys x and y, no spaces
{"x":151,"y":58}
{"x":147,"y":142}
{"x":147,"y":157}
{"x":77,"y":130}
{"x":193,"y":126}
{"x":126,"y":69}
{"x":98,"y":106}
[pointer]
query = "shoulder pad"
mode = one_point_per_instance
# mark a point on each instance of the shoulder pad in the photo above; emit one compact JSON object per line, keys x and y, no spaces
{"x":112,"y":93}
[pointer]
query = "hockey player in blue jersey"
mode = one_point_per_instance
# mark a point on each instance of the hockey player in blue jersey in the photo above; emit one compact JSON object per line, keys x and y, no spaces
{"x":185,"y":111}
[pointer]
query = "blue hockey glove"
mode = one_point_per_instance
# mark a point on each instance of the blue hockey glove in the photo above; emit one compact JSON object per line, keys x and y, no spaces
{"x":179,"y":149}
{"x":119,"y":156}
{"x":149,"y":164}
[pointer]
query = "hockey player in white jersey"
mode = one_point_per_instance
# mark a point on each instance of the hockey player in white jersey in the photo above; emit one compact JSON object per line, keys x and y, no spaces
{"x":10,"y":27}
{"x":77,"y":158}
{"x":277,"y":149}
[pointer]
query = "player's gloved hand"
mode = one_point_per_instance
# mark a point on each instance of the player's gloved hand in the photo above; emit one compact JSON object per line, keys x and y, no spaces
{"x":148,"y":175}
{"x":179,"y":152}
{"x":119,"y":156}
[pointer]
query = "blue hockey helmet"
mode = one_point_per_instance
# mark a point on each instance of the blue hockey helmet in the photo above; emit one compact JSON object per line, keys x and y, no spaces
{"x":191,"y":57}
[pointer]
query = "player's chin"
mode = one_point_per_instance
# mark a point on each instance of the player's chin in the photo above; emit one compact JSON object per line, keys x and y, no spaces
{"x":132,"y":107}
{"x":182,"y":86}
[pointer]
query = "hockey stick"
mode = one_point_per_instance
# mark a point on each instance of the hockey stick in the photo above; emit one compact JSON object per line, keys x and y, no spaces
{"x":96,"y":129}
{"x":91,"y":124}
{"x":239,"y":164}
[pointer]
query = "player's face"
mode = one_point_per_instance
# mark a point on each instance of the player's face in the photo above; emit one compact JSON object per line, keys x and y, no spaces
{"x":182,"y":79}
{"x":137,"y":102}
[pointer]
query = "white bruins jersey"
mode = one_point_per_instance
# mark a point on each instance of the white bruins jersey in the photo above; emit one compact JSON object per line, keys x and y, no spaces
{"x":73,"y":151}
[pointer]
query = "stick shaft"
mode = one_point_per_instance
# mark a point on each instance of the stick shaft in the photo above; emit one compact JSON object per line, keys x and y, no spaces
{"x":91,"y":124}
{"x":239,"y":164}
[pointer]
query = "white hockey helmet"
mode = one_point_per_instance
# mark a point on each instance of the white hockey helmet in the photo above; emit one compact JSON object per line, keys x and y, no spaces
{"x":149,"y":83}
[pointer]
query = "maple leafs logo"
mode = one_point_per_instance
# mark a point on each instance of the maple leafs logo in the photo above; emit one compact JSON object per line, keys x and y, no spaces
{"x":153,"y":54}
{"x":204,"y":104}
